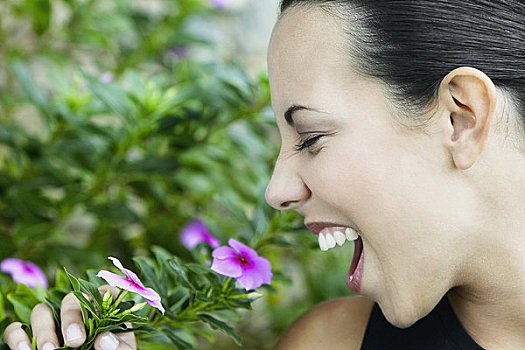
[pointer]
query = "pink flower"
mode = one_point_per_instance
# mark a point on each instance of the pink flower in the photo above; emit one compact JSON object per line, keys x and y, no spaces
{"x":131,"y":283}
{"x":196,"y":232}
{"x":24,"y":272}
{"x":219,"y":3}
{"x":106,"y":77}
{"x":242,"y":263}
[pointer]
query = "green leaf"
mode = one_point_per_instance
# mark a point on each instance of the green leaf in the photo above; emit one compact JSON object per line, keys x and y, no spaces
{"x":178,"y":298}
{"x":218,"y":324}
{"x":61,"y":281}
{"x":73,"y":280}
{"x":33,"y":91}
{"x":176,"y":338}
{"x":91,"y":290}
{"x":2,"y":308}
{"x":41,"y":14}
{"x":161,"y":254}
{"x":85,"y":304}
{"x":106,"y":300}
{"x":112,"y":96}
{"x":40,"y":292}
{"x":55,"y":308}
{"x":23,"y":300}
{"x":180,"y":272}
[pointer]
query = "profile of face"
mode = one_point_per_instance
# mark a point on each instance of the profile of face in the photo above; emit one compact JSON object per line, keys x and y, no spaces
{"x":346,"y":161}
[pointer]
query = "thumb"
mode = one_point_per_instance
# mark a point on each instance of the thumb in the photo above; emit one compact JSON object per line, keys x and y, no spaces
{"x":110,"y":341}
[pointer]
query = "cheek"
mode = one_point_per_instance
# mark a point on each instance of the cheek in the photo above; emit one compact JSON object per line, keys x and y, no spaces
{"x":374,"y":184}
{"x":366,"y":176}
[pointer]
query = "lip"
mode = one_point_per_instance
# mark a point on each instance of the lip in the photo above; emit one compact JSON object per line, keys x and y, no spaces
{"x":316,"y":227}
{"x":355,"y":272}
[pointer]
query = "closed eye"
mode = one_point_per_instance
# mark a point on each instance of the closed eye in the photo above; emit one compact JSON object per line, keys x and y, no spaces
{"x":308,"y":143}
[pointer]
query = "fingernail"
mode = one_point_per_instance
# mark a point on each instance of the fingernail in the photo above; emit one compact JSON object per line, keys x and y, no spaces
{"x":24,"y":346}
{"x":49,"y":346}
{"x":109,"y":342}
{"x":73,"y":332}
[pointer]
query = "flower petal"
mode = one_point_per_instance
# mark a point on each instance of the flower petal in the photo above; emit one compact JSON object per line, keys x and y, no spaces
{"x":219,"y":3}
{"x":243,"y":249}
{"x":262,"y":268}
{"x":226,"y":262}
{"x":224,"y":252}
{"x":191,"y":235}
{"x":256,"y":270}
{"x":11,"y":265}
{"x":130,"y":274}
{"x":250,"y":280}
{"x":156,"y":304}
{"x":114,"y":280}
{"x":196,"y":232}
{"x":24,"y":272}
{"x":150,"y":294}
{"x":212,"y":240}
{"x":122,"y":282}
{"x":227,"y":267}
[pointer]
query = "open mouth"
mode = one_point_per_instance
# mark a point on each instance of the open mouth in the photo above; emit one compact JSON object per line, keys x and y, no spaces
{"x":330,"y":236}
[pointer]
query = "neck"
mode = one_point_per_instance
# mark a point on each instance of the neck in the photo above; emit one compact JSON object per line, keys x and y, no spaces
{"x":490,"y":299}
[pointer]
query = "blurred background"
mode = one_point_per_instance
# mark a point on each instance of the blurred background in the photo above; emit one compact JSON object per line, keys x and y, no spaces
{"x":123,"y":120}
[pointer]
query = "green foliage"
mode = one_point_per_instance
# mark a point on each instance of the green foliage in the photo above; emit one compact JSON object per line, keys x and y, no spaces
{"x":103,"y":313}
{"x":111,"y":142}
{"x":24,"y":299}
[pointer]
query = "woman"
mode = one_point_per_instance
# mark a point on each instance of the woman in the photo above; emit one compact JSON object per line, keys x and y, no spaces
{"x":402,"y":126}
{"x":404,"y":121}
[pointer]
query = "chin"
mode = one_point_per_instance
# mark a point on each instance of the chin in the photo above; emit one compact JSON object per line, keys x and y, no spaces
{"x":404,"y":313}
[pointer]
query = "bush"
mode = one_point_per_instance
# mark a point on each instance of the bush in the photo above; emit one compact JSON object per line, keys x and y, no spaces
{"x":112,"y":141}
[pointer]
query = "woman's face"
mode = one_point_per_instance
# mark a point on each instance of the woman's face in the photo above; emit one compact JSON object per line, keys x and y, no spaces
{"x":361,"y":169}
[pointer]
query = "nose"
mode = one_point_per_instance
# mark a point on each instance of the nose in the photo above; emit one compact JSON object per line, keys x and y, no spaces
{"x":286,"y":190}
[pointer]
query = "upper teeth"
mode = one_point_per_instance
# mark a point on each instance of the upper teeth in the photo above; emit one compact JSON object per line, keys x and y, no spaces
{"x":328,"y":239}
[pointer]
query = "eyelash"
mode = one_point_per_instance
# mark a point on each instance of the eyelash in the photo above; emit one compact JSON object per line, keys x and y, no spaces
{"x":307,"y":143}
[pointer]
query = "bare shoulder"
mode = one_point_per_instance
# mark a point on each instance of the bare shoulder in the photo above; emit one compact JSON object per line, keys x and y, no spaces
{"x":336,"y":324}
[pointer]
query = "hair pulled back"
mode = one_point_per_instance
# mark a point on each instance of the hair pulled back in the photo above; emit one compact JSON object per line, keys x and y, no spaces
{"x":412,"y":44}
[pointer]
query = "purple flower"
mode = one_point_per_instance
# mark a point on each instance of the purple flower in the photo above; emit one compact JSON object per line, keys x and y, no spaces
{"x":178,"y":52}
{"x":196,"y":232}
{"x":24,"y":272}
{"x":242,"y":263}
{"x":106,"y":77}
{"x":219,"y":3}
{"x":131,"y":283}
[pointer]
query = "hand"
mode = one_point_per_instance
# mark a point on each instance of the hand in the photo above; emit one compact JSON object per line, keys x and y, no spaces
{"x":73,"y":330}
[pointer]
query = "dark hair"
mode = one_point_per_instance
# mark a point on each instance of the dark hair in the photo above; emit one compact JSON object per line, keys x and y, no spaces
{"x":412,"y":44}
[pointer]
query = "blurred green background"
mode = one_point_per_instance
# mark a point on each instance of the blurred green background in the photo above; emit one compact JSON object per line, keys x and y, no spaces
{"x":121,"y":121}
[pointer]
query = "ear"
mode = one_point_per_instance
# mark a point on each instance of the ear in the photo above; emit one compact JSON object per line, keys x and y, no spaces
{"x":469,"y":99}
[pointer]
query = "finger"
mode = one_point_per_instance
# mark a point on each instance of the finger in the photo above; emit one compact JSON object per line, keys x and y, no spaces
{"x":128,"y":337}
{"x":43,"y":327}
{"x":16,"y":338}
{"x":110,"y":341}
{"x":72,"y":324}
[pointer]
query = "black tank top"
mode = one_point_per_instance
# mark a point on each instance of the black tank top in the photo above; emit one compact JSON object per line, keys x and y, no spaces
{"x":439,"y":330}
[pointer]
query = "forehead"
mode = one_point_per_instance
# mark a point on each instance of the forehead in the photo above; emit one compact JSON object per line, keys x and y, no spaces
{"x":308,"y":49}
{"x":306,"y":27}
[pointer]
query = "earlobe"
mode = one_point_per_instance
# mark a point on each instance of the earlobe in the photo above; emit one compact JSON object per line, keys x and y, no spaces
{"x":469,"y":99}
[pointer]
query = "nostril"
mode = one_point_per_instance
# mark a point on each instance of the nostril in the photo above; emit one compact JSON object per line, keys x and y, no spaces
{"x":286,"y":204}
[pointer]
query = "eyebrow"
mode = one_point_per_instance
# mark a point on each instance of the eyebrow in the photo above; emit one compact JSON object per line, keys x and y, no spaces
{"x":288,"y":115}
